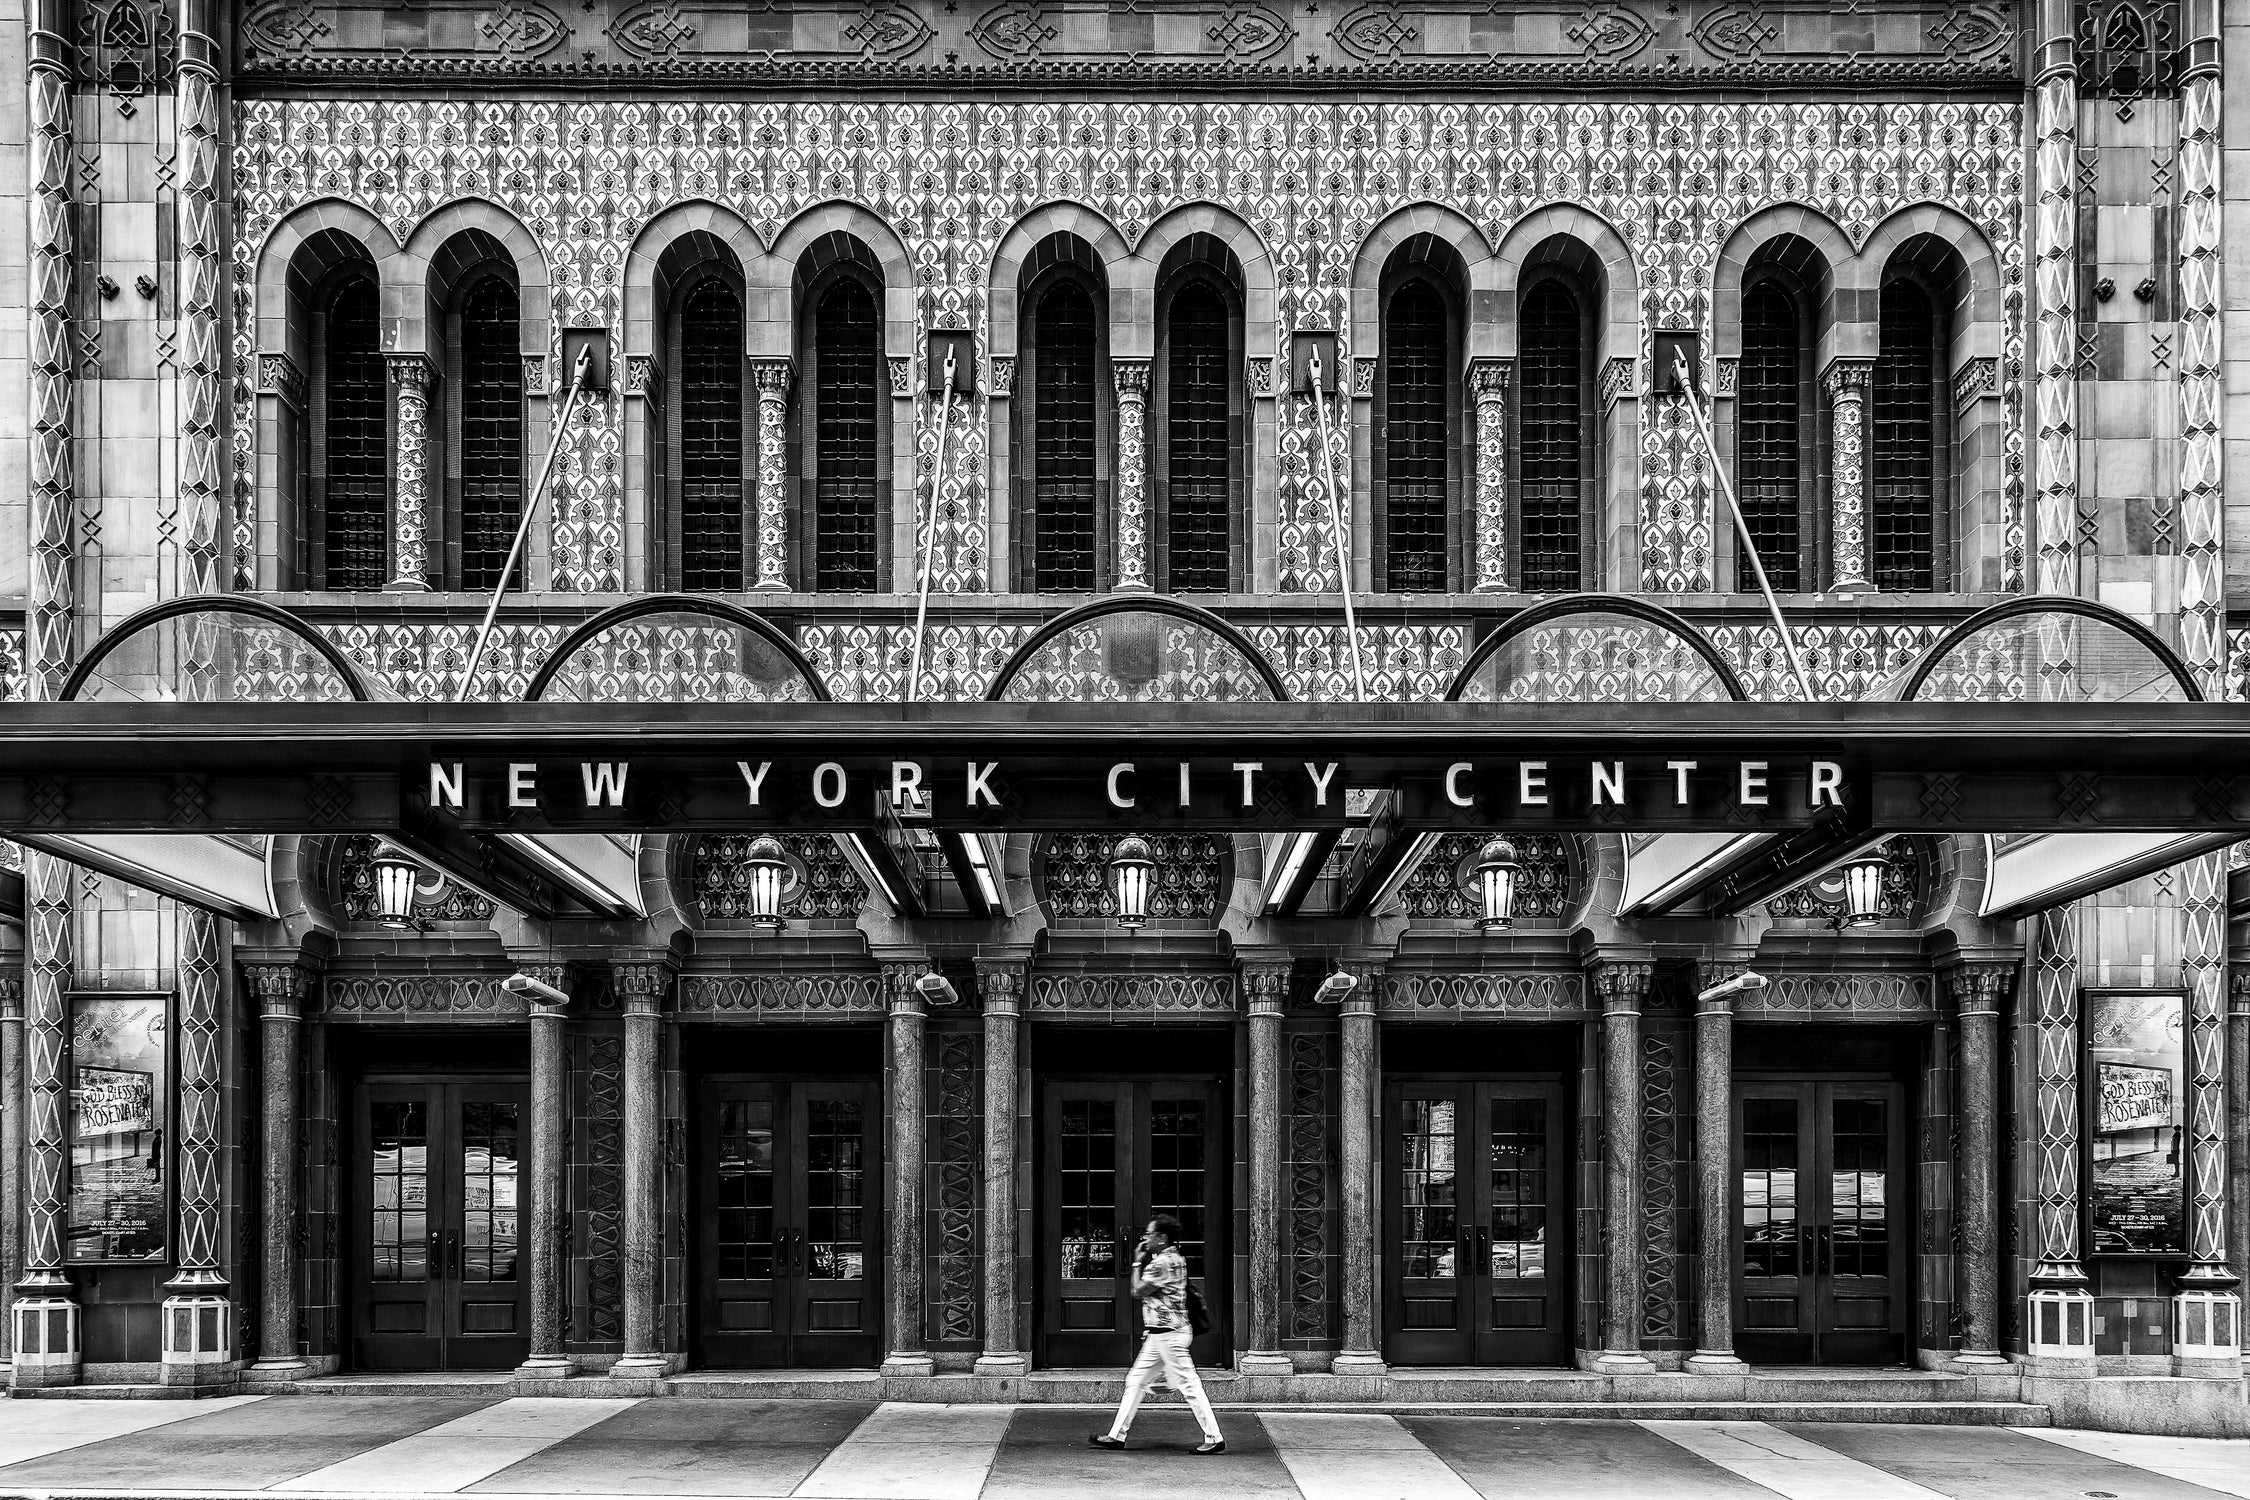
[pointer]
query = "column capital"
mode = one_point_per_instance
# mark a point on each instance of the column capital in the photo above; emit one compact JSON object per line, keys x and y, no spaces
{"x":900,"y":996}
{"x":1367,"y":995}
{"x":281,"y":989}
{"x":1265,"y":986}
{"x":642,"y":985}
{"x":1623,"y":983}
{"x":1129,"y":376}
{"x":555,"y":974}
{"x":415,"y":372}
{"x":774,"y":377}
{"x":1491,"y":377}
{"x":1001,"y":983}
{"x":1978,"y":986}
{"x":1846,"y":374}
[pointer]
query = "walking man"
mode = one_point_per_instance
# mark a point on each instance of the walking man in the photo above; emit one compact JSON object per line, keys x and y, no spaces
{"x":1160,"y":1281}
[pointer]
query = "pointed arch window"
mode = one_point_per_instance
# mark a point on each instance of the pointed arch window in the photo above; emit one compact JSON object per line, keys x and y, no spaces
{"x":1769,"y":434}
{"x":843,"y":368}
{"x":713,"y":509}
{"x":1201,"y":452}
{"x":1908,"y":439}
{"x":1417,"y":438}
{"x":1062,"y":524}
{"x":1551,"y":461}
{"x":488,"y":432}
{"x":348,"y":483}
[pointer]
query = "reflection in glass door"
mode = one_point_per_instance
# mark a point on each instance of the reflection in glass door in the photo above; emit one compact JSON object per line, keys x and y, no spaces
{"x":435,"y":1218}
{"x":787,"y":1224}
{"x":1821,"y":1257}
{"x":1477,"y":1224}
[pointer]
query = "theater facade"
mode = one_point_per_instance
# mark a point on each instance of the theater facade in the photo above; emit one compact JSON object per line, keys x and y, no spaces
{"x":1112,"y":609}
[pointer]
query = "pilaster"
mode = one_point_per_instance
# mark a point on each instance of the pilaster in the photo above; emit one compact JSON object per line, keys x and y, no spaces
{"x":2060,"y":1315}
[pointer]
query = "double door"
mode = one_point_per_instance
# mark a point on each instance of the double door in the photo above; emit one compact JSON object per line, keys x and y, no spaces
{"x":1112,"y":1155}
{"x":788,"y":1234}
{"x":1820,"y":1190}
{"x":440,"y":1284}
{"x":1476,"y":1223}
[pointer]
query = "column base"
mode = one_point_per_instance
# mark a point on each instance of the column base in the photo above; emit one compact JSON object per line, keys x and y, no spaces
{"x":1714,"y":1362}
{"x":198,"y":1339}
{"x":2061,"y":1320}
{"x":1854,"y":586}
{"x":48,"y":1349}
{"x":769,"y":588}
{"x":1133,"y":588}
{"x":1003,"y":1364}
{"x":1359,"y":1362}
{"x":2207,"y":1332}
{"x":546,"y":1368}
{"x":1975,"y":1361}
{"x":1616,"y":1362}
{"x":406,"y":586}
{"x":642,"y":1369}
{"x":1263,"y":1362}
{"x":277,"y":1372}
{"x":909,"y":1365}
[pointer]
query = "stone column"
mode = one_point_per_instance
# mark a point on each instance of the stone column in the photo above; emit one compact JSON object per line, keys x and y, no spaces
{"x":2206,"y":1311}
{"x":1622,"y":987}
{"x":281,"y":991}
{"x":1001,"y":984}
{"x":544,"y":1225}
{"x":906,"y":1025}
{"x":47,"y":1343}
{"x":1266,"y":986}
{"x":1133,"y":563}
{"x":11,"y":1131}
{"x":1488,"y":381}
{"x":197,"y":1346}
{"x":773,"y":377}
{"x":1977,"y":992}
{"x":1361,"y":1226}
{"x":2238,"y":1114}
{"x":1846,"y":385}
{"x":414,"y":379}
{"x":642,"y":987}
{"x":2060,"y":1320}
{"x":1714,"y":1184}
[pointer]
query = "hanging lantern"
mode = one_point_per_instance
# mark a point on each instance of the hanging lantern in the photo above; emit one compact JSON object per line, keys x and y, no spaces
{"x":1131,"y":873}
{"x":396,"y":877}
{"x":768,"y":866}
{"x":1863,"y":891}
{"x":1497,"y":872}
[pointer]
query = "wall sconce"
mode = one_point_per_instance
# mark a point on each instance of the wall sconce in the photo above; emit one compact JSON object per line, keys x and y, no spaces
{"x":396,"y":877}
{"x":1497,"y":872}
{"x":1863,"y":891}
{"x":768,"y":865}
{"x":1131,"y":871}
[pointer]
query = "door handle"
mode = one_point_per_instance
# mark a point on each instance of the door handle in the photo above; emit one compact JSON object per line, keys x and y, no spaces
{"x":453,"y":1255}
{"x":435,"y":1265}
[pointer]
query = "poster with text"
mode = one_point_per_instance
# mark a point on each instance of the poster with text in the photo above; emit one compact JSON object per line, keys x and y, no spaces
{"x":116,"y":1128}
{"x":2138,"y":1146}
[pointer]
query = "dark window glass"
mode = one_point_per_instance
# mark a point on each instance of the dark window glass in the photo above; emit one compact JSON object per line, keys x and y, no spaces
{"x":1766,"y":441}
{"x":1414,"y":440}
{"x":711,"y":438}
{"x":1197,"y":435}
{"x":1859,"y":1188}
{"x":1770,"y":1203}
{"x":355,"y":441}
{"x":1088,"y":1188}
{"x":1178,"y":1172}
{"x":845,"y":333}
{"x":1901,"y":511}
{"x":1062,"y":441}
{"x":1552,"y":361}
{"x":491,"y":432}
{"x":745,"y":1197}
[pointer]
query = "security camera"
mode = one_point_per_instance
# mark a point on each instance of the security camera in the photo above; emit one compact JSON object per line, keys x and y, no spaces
{"x":1335,"y":987}
{"x":935,"y":989}
{"x":537,"y":989}
{"x":1748,"y":982}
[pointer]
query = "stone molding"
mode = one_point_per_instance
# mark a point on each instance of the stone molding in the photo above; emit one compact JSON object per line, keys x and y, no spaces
{"x":1125,"y":995}
{"x":418,"y":996}
{"x":1541,"y":994}
{"x":1884,"y":994}
{"x":783,"y":996}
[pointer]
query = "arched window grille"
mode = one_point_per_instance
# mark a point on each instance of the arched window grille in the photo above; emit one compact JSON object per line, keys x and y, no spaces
{"x":845,"y":367}
{"x":1769,"y":434}
{"x":1552,"y":437}
{"x":711,"y":520}
{"x":350,"y":471}
{"x":1417,"y":436}
{"x":1199,"y":464}
{"x":491,"y":431}
{"x":1902,"y":511}
{"x":1063,"y":514}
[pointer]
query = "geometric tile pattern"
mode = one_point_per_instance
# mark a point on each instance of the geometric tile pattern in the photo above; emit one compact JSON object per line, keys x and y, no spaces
{"x":1543,"y":885}
{"x":11,"y":666}
{"x":1661,"y":1213}
{"x":601,"y":1140}
{"x":1312,"y":179}
{"x":200,"y":978}
{"x":954,"y":1146}
{"x":1305,"y":1180}
{"x":47,"y":945}
{"x":2054,"y":980}
{"x":2054,"y":257}
{"x":1186,"y":885}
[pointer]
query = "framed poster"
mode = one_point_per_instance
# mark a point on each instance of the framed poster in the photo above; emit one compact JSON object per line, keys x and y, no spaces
{"x":2136,"y":1144}
{"x":120,"y":1093}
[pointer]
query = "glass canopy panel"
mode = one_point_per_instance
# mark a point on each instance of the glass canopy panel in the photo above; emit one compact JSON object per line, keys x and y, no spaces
{"x":1596,"y":656}
{"x":2048,"y":656}
{"x":218,"y":655}
{"x":678,"y":657}
{"x":1137,"y":656}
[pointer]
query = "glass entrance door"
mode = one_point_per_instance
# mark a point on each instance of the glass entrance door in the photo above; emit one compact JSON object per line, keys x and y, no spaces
{"x":1111,"y":1155}
{"x":787,"y":1224}
{"x":1476,"y":1225}
{"x":435,"y":1205}
{"x":1820,"y":1184}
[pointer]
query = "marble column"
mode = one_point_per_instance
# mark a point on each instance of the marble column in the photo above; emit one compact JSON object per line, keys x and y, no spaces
{"x":544,"y":1226}
{"x":1266,"y":987}
{"x":1846,"y":384}
{"x":1361,"y":1226}
{"x":1622,"y":986}
{"x":280,"y":990}
{"x":1978,"y":991}
{"x":773,"y":378}
{"x":1134,"y":569}
{"x":906,"y":1025}
{"x":642,"y":986}
{"x":1714,"y":1184}
{"x":414,"y":384}
{"x":2061,"y":1313}
{"x":1001,"y":984}
{"x":1488,"y":381}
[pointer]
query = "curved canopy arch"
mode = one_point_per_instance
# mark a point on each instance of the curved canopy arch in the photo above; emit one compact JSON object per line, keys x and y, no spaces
{"x":676,"y":648}
{"x":1596,"y":648}
{"x":2047,"y":649}
{"x":1137,"y":648}
{"x":217,"y":648}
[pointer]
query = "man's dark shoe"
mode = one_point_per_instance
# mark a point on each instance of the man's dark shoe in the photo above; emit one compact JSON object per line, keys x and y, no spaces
{"x":1114,"y":1444}
{"x":1216,"y":1445}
